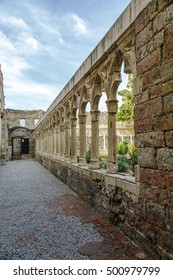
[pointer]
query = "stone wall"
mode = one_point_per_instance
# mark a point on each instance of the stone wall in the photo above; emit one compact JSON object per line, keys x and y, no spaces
{"x":142,"y":206}
{"x":12,"y":117}
{"x":16,"y":132}
{"x":152,"y":216}
{"x":2,"y":124}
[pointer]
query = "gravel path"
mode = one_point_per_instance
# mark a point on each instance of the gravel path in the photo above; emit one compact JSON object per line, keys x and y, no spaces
{"x":32,"y":226}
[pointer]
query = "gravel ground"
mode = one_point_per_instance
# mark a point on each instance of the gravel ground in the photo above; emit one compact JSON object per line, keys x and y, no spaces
{"x":32,"y":226}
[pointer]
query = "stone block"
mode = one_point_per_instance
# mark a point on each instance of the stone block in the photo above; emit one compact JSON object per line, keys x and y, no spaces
{"x":161,"y":89}
{"x":143,"y":125}
{"x":110,"y":180}
{"x":147,"y":157}
{"x":164,"y":159}
{"x":150,"y":139}
{"x":169,"y":32}
{"x":156,"y":214}
{"x":163,"y":4}
{"x":153,"y":177}
{"x":169,"y":181}
{"x":164,"y":122}
{"x":156,"y":41}
{"x":144,"y":36}
{"x":140,"y":22}
{"x":168,"y":103}
{"x":149,"y":109}
{"x":151,"y":60}
{"x":142,"y":97}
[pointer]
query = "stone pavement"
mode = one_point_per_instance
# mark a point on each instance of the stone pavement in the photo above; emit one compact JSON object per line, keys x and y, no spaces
{"x":41,"y":218}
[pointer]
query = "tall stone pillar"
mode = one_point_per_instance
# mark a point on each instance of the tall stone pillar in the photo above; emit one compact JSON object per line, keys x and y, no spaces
{"x":94,"y":140}
{"x":82,"y":139}
{"x":73,"y":139}
{"x":62,"y":140}
{"x":58,"y":141}
{"x":54,"y":141}
{"x":67,"y":140}
{"x":112,"y":139}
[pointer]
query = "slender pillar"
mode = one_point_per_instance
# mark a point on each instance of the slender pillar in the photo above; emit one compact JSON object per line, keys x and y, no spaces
{"x":82,"y":139}
{"x":54,"y":141}
{"x":58,"y":141}
{"x":62,"y":140}
{"x":73,"y":140}
{"x":94,"y":140}
{"x":67,"y":140}
{"x":112,"y":141}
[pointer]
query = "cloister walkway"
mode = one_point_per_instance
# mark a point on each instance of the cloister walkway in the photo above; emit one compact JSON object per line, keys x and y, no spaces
{"x":41,"y":218}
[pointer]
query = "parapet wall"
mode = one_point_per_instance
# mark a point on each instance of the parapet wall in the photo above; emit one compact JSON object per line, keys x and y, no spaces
{"x":142,"y":205}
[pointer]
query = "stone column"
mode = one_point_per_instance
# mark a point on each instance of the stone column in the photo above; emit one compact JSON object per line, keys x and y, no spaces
{"x":67,"y":140}
{"x":94,"y":140}
{"x":54,"y":142}
{"x":112,"y":139}
{"x":62,"y":140}
{"x":57,"y":141}
{"x":73,"y":139}
{"x":82,"y":139}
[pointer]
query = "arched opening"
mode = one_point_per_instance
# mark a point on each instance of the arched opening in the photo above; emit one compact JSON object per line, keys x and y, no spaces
{"x":126,"y":151}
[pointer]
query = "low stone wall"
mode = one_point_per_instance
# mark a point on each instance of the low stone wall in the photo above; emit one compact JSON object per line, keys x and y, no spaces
{"x":116,"y":196}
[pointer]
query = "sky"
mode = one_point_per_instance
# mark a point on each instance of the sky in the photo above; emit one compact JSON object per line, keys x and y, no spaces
{"x":44,"y":42}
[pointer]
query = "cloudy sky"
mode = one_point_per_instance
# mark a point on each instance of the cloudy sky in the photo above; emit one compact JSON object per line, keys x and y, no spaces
{"x":43,"y":43}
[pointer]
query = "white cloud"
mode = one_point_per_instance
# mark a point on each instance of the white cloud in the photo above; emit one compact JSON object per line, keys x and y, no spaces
{"x":14,"y":22}
{"x":79,"y":25}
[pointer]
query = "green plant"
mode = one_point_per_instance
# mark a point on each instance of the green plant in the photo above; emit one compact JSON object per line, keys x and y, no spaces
{"x":123,"y":148}
{"x":122,"y":163}
{"x":103,"y":164}
{"x":88,"y":156}
{"x":132,"y":159}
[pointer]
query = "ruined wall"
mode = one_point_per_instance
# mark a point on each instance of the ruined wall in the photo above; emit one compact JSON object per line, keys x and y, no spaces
{"x":152,"y":215}
{"x":12,"y":117}
{"x":2,"y":123}
{"x":18,"y":133}
{"x":142,"y":205}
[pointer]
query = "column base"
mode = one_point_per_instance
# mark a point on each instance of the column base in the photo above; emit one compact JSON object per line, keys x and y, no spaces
{"x":73,"y":159}
{"x":67,"y":157}
{"x":82,"y":162}
{"x":94,"y":164}
{"x":111,"y":168}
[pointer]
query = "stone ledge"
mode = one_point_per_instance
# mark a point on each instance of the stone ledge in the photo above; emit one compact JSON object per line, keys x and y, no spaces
{"x":123,"y":181}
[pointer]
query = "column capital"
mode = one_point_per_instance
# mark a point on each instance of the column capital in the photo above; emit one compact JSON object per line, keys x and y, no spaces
{"x":112,"y":106}
{"x":82,"y":118}
{"x":95,"y":115}
{"x":73,"y":121}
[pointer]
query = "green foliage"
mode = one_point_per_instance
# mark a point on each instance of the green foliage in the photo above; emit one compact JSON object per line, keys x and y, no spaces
{"x":127,"y":157}
{"x":122,"y":163}
{"x":103,"y":164}
{"x":123,"y":148}
{"x":126,"y":110}
{"x":88,"y":156}
{"x":132,"y":157}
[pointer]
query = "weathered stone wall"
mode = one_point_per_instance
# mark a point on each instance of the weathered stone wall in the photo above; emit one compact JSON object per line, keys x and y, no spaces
{"x":152,"y":216}
{"x":16,"y":132}
{"x":141,"y":206}
{"x":2,"y":124}
{"x":12,"y":117}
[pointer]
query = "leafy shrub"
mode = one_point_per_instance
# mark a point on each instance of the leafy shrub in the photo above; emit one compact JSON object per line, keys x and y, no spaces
{"x":122,"y":163}
{"x":88,"y":156}
{"x":123,"y":148}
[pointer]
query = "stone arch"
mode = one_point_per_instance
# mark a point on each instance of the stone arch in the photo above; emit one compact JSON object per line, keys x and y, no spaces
{"x":21,"y":143}
{"x":84,"y":99}
{"x":96,"y":92}
{"x":74,"y":105}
